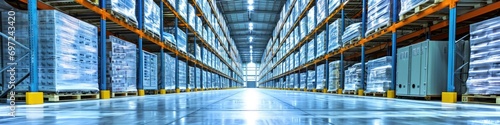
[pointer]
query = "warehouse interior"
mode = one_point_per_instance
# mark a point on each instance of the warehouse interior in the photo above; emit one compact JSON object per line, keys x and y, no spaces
{"x":249,"y":62}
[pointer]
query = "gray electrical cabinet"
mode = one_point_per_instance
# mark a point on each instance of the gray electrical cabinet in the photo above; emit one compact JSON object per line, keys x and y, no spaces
{"x":422,"y":69}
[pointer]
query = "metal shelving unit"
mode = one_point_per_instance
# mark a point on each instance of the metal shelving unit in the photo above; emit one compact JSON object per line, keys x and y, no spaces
{"x":98,"y":15}
{"x":435,"y":18}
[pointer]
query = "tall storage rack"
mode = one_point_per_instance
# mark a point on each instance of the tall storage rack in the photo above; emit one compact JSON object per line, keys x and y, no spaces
{"x":440,"y":17}
{"x":96,"y":13}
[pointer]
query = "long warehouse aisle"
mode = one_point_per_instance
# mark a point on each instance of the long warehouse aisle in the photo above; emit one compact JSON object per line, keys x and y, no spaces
{"x":253,"y":107}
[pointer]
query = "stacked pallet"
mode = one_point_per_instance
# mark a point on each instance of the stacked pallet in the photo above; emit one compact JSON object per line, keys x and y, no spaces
{"x":483,"y":70}
{"x":351,"y":33}
{"x":121,"y":65}
{"x":150,"y":71}
{"x":152,"y":15}
{"x":379,"y":15}
{"x":353,"y":78}
{"x":379,"y":75}
{"x":320,"y":76}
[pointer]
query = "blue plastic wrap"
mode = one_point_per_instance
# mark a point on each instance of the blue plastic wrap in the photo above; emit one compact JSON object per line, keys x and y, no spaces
{"x":351,"y":32}
{"x":322,"y":12}
{"x":303,"y":54}
{"x":320,"y":47}
{"x":303,"y":80}
{"x":408,"y":5}
{"x":311,"y":17}
{"x":150,"y":71}
{"x":379,"y":15}
{"x":310,"y":50}
{"x":297,"y":61}
{"x":320,"y":76}
{"x":182,"y":75}
{"x":168,"y":38}
{"x":303,"y":27}
{"x":311,"y":79}
{"x":168,"y":77}
{"x":181,"y":37}
{"x":334,"y":75}
{"x":379,"y":74}
{"x":484,"y":58}
{"x":333,"y":5}
{"x":353,"y":77}
{"x":152,"y":15}
{"x":121,"y":65}
{"x":182,"y":10}
{"x":191,"y":77}
{"x":124,"y":8}
{"x":68,"y":53}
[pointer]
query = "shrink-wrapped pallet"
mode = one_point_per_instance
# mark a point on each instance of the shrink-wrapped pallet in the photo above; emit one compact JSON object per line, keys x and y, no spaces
{"x":379,"y":74}
{"x":484,"y":58}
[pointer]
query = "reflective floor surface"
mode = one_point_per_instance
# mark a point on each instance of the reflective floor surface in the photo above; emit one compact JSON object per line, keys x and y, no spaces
{"x":251,"y":107}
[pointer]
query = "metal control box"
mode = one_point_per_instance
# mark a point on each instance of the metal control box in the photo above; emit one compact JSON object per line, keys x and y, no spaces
{"x":422,"y":69}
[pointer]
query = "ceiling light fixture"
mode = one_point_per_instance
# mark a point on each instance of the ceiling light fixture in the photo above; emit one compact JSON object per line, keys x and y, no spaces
{"x":250,"y":7}
{"x":250,"y":1}
{"x":251,"y":47}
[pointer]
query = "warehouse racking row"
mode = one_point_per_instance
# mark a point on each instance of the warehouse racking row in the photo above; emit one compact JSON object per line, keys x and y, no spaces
{"x":207,"y":57}
{"x":361,"y":30}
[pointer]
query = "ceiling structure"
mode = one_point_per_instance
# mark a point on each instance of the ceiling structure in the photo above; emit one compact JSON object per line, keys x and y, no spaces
{"x":263,"y":17}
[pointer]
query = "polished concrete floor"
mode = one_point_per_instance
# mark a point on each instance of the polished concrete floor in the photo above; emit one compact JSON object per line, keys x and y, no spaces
{"x":252,"y":107}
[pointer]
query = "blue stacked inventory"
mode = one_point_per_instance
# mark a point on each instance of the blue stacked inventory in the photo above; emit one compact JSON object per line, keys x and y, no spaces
{"x":191,"y":77}
{"x":68,"y":53}
{"x":123,"y":9}
{"x":194,"y":49}
{"x":311,"y":79}
{"x":408,"y":5}
{"x":333,"y":5}
{"x":379,"y":15}
{"x":23,"y":66}
{"x":121,"y":65}
{"x":303,"y":54}
{"x":484,"y":57}
{"x":297,"y":60}
{"x":334,"y":75}
{"x":181,"y":41}
{"x":296,"y":81}
{"x":182,"y":8}
{"x":182,"y":75}
{"x":322,"y":12}
{"x":303,"y":80}
{"x":352,"y":32}
{"x":150,"y":71}
{"x":311,"y":15}
{"x":303,"y":27}
{"x":198,"y":77}
{"x":152,"y":15}
{"x":204,"y":81}
{"x":320,"y":76}
{"x":168,"y":38}
{"x":353,"y":77}
{"x":320,"y":47}
{"x":169,"y":67}
{"x":311,"y":50}
{"x":191,"y":16}
{"x":335,"y":30}
{"x":379,"y":74}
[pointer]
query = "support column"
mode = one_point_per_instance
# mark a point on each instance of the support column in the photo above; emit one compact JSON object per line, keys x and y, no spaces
{"x":450,"y":96}
{"x":104,"y":92}
{"x":162,"y":53}
{"x":341,"y":67}
{"x":363,"y":31}
{"x":140,"y":65}
{"x":33,"y":97}
{"x":176,"y":27}
{"x":391,"y":93}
